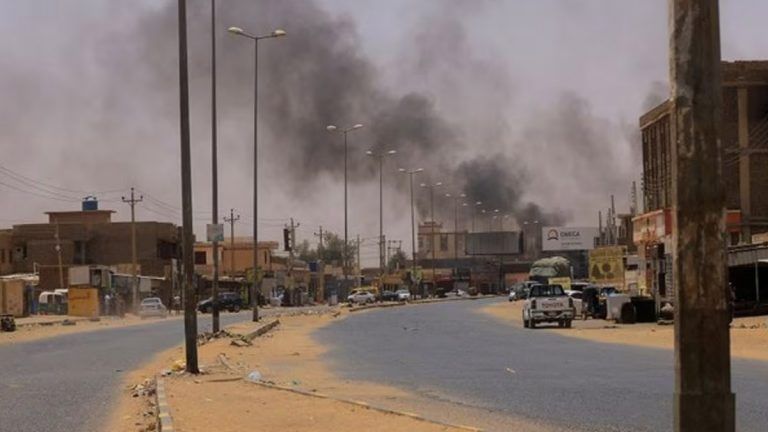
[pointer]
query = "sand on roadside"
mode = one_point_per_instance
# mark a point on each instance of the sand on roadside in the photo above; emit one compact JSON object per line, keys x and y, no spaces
{"x":749,"y":335}
{"x":42,"y":331}
{"x":290,"y":357}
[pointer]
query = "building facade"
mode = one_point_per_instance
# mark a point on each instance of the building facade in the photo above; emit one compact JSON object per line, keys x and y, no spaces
{"x":83,"y":238}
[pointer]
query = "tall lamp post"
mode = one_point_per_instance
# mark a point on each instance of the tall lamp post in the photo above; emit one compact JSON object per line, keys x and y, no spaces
{"x":276,"y":33}
{"x":432,"y":242}
{"x":380,"y":156}
{"x":332,"y":128}
{"x":214,"y":176}
{"x":456,"y":199}
{"x":410,"y":173}
{"x":474,"y":213}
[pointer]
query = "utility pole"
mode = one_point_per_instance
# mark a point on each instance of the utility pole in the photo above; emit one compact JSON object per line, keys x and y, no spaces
{"x":432,"y":242}
{"x":319,"y":235}
{"x":703,"y":399}
{"x":135,"y":279}
{"x":359,"y":267}
{"x":58,"y":253}
{"x":231,"y":220}
{"x":413,"y":219}
{"x":214,"y":176}
{"x":190,"y":315}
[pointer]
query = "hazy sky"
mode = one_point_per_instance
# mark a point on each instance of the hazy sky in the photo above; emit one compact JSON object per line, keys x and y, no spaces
{"x":548,"y":90}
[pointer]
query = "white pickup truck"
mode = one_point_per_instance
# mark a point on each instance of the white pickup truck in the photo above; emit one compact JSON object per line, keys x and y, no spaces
{"x":547,"y":303}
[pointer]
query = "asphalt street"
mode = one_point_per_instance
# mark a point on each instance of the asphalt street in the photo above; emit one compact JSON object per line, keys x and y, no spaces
{"x":68,"y":383}
{"x":454,"y":350}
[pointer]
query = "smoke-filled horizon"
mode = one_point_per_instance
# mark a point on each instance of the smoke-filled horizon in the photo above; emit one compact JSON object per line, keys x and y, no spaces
{"x":521,"y":125}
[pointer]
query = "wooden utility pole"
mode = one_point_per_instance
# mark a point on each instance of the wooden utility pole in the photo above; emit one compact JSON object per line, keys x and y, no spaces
{"x":135,"y":278}
{"x":58,"y":254}
{"x":703,"y":398}
{"x":231,"y":220}
{"x":359,"y":267}
{"x":190,"y":300}
{"x":319,"y":235}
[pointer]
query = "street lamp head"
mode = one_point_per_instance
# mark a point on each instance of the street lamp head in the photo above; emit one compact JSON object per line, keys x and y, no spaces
{"x":236,"y":30}
{"x":495,"y":210}
{"x":448,"y":195}
{"x":391,"y":152}
{"x":330,"y":128}
{"x":402,"y":170}
{"x":418,"y":170}
{"x":464,"y":204}
{"x":439,"y":184}
{"x":278,"y":33}
{"x":463,"y":195}
{"x":357,"y":126}
{"x":369,"y":153}
{"x":479,"y":203}
{"x":423,"y":185}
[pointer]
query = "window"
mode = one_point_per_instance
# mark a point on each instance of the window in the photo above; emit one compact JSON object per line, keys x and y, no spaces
{"x":200,"y":258}
{"x":443,"y":242}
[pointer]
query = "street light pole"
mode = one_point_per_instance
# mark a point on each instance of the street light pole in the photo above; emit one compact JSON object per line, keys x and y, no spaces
{"x":332,"y":128}
{"x":432,"y":241}
{"x":190,"y":315}
{"x":474,"y":213}
{"x":276,"y":33}
{"x":380,"y":157}
{"x":413,"y":220}
{"x":214,"y":176}
{"x":456,"y":232}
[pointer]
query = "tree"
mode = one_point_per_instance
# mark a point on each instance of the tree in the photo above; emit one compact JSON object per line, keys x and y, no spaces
{"x":330,"y":253}
{"x":305,"y":252}
{"x":396,"y":261}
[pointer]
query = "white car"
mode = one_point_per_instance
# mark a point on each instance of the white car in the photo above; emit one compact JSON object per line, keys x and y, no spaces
{"x":152,"y":306}
{"x":576,"y":298}
{"x":512,"y":295}
{"x":361,"y":297}
{"x":403,"y":295}
{"x":547,"y":303}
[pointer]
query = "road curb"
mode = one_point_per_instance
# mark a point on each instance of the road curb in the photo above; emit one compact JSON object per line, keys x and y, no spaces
{"x":50,"y":323}
{"x":424,"y":301}
{"x":261,"y":330}
{"x":363,"y":404}
{"x":164,"y":420}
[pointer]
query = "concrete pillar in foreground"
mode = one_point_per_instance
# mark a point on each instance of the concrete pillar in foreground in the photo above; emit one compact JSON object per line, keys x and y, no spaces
{"x":703,"y":398}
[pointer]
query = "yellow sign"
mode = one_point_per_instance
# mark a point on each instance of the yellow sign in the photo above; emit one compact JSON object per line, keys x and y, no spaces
{"x":564,"y":282}
{"x":606,"y":265}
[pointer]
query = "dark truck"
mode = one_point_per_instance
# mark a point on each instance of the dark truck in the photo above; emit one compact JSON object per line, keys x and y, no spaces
{"x":227,"y":301}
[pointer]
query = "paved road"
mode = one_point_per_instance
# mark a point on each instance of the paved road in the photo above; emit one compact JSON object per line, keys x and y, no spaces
{"x":68,"y":383}
{"x":453,"y":350}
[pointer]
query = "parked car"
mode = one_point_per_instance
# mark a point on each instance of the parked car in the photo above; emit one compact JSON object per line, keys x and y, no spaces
{"x":576,"y":296}
{"x":403,"y":295}
{"x":361,"y":297}
{"x":512,"y":295}
{"x":152,"y":306}
{"x":389,"y":296}
{"x":227,"y":301}
{"x":547,"y":303}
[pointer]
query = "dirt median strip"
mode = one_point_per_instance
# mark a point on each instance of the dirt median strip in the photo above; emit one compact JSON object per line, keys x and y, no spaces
{"x":287,"y":365}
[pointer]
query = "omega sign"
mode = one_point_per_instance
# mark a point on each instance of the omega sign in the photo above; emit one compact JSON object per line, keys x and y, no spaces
{"x":568,"y":238}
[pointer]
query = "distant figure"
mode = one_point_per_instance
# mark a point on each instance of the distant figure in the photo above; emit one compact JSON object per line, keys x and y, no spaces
{"x":107,"y":304}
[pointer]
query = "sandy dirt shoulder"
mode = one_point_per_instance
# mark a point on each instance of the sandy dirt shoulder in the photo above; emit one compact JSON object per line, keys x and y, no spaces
{"x":287,"y":356}
{"x":44,"y":328}
{"x":749,"y":335}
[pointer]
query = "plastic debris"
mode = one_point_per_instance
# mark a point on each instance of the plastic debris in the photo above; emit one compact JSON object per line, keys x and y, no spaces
{"x":253,"y":376}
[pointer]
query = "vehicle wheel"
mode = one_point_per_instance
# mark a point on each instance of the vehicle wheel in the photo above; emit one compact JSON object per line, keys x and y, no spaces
{"x":561,"y":324}
{"x":568,"y":324}
{"x":584,"y":315}
{"x":236,"y":308}
{"x":532,"y":324}
{"x":525,"y":323}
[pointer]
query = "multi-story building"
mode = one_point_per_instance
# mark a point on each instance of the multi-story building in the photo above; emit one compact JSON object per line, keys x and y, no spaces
{"x":744,"y":136}
{"x":235,"y":257}
{"x":745,"y":144}
{"x":73,"y":238}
